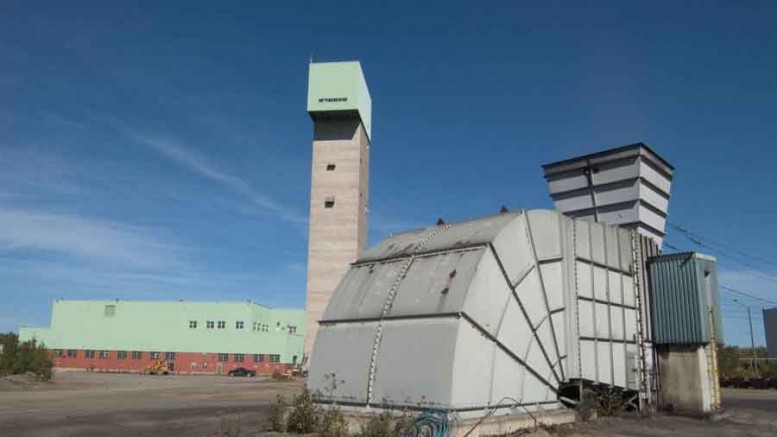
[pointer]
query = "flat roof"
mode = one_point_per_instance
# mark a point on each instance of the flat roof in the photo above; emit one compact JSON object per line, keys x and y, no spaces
{"x":606,"y":153}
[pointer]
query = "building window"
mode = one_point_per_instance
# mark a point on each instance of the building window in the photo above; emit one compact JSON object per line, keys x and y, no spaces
{"x":170,"y":356}
{"x":110,"y":310}
{"x":58,"y":352}
{"x":122,"y":355}
{"x":258,"y":358}
{"x":238,"y":358}
{"x":275,"y":358}
{"x":209,"y":324}
{"x":154,"y":355}
{"x":265,"y":328}
{"x":137,"y":355}
{"x":329,"y":202}
{"x":223,"y":358}
{"x":253,"y":327}
{"x":89,"y":353}
{"x":292,"y":329}
{"x":330,"y":167}
{"x":72,"y":353}
{"x":192,"y":324}
{"x":104,"y":355}
{"x":222,"y":324}
{"x":239,"y":324}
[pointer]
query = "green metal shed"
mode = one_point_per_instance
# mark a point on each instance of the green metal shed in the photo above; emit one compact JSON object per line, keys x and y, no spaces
{"x":685,"y":299}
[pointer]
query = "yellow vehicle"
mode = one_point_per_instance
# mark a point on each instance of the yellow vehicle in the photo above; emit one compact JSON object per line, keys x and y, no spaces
{"x":158,"y":367}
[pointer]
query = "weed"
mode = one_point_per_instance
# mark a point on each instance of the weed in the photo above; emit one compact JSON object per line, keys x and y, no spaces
{"x":275,"y":420}
{"x":333,"y":423}
{"x":588,"y":405}
{"x":304,"y":416}
{"x":610,"y":402}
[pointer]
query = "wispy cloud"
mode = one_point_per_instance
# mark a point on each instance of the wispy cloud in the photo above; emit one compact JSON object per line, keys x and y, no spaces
{"x":195,"y":162}
{"x":85,"y":238}
{"x":29,"y":171}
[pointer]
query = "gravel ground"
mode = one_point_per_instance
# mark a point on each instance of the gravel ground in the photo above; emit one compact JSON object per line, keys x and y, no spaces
{"x":97,"y":404}
{"x":100,"y":404}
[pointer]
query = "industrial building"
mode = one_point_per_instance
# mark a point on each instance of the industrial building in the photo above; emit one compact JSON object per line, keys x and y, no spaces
{"x":519,"y":312}
{"x":687,"y":327}
{"x":770,"y":330}
{"x":192,"y":337}
{"x":626,"y":186}
{"x":339,"y":104}
{"x":460,"y":316}
{"x":512,"y":313}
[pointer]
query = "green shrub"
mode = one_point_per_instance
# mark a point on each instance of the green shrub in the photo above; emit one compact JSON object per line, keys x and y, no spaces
{"x":28,"y":357}
{"x":304,"y":416}
{"x":275,"y":419}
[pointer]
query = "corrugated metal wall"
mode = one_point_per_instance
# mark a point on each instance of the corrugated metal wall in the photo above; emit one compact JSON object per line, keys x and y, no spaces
{"x":684,"y":290}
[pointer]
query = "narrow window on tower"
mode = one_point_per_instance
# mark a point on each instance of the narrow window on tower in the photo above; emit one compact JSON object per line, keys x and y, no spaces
{"x":330,"y":167}
{"x":329,"y":202}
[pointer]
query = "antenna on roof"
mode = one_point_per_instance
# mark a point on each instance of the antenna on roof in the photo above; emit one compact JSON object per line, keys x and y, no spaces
{"x":503,"y":210}
{"x":440,"y":221}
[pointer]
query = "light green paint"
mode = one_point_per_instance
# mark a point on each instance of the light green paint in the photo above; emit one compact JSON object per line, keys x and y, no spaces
{"x":164,"y":327}
{"x":339,"y":88}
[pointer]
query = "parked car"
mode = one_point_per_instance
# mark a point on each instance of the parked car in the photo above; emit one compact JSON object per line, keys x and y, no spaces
{"x":241,"y":371}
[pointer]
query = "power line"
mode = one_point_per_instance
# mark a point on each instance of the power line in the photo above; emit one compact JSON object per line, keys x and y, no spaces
{"x":753,"y":271}
{"x":742,"y":293}
{"x":696,"y":238}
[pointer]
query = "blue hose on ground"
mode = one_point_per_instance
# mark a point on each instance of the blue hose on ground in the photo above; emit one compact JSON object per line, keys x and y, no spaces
{"x":430,"y":423}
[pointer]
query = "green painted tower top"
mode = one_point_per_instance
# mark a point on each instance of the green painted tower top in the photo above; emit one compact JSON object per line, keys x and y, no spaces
{"x":338,"y":89}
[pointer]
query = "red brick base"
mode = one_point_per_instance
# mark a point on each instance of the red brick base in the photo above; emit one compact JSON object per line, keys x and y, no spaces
{"x":184,"y":363}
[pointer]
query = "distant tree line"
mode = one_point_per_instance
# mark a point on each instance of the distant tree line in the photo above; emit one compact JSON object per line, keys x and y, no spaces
{"x":27,"y":357}
{"x":736,"y":361}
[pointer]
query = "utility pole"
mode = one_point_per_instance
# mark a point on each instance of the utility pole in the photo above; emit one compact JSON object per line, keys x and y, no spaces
{"x":752,"y":338}
{"x":752,"y":341}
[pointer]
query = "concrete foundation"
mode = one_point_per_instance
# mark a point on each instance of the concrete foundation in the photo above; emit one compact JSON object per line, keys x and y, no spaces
{"x":476,"y":425}
{"x":685,"y":381}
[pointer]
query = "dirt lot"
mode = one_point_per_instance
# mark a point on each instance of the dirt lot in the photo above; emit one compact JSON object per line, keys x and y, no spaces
{"x":94,"y":404}
{"x":100,"y":404}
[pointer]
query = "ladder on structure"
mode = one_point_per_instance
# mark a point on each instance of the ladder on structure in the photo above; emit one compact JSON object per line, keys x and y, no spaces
{"x":642,"y":376}
{"x":712,"y":365}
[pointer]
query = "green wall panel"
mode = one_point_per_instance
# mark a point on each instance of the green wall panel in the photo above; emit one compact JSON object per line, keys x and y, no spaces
{"x":165,"y":327}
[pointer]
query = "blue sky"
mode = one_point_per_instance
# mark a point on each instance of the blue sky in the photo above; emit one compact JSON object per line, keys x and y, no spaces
{"x":155,"y":150}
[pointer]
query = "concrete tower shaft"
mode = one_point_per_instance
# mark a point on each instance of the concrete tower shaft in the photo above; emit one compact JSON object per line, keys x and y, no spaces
{"x":339,"y":103}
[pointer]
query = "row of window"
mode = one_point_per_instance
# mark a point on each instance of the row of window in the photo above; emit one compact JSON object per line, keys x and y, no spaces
{"x":169,"y":356}
{"x":221,"y":324}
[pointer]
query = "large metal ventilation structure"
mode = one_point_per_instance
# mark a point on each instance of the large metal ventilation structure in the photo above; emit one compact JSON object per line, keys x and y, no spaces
{"x":627,"y":186}
{"x":462,"y":317}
